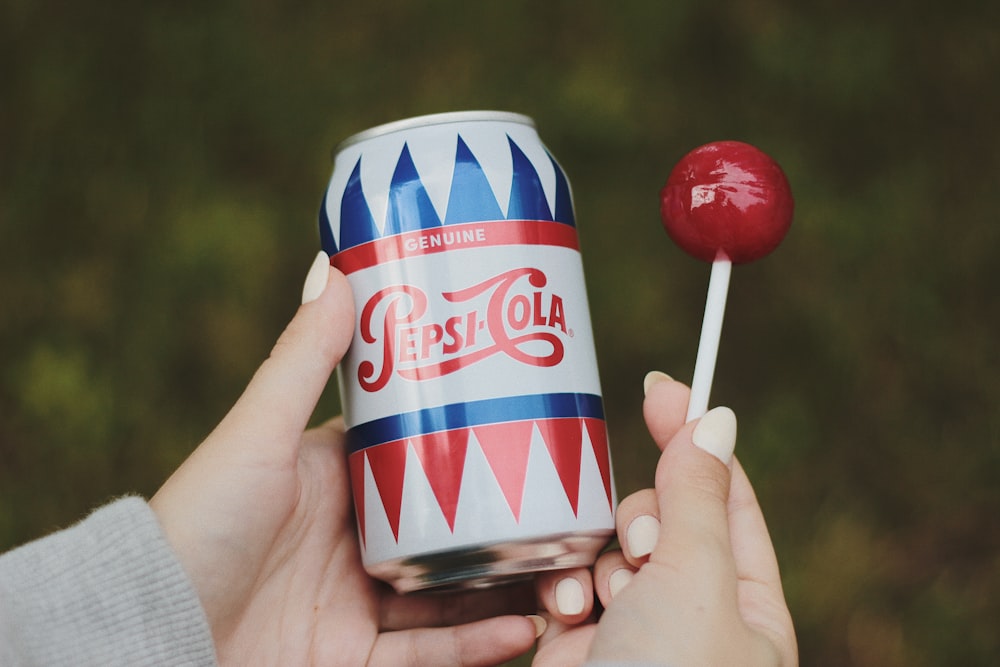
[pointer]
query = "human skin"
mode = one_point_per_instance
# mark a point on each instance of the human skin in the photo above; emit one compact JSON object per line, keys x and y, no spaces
{"x":260,"y":517}
{"x":697,"y":580}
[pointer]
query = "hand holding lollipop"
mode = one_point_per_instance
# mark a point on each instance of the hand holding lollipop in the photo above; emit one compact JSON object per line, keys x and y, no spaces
{"x":726,"y":203}
{"x":703,"y":566}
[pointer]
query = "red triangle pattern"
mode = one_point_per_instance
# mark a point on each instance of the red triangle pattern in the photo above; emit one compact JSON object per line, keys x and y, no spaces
{"x":356,"y":464}
{"x":442,"y":456}
{"x":388,"y":463}
{"x":564,"y":440}
{"x":598,"y":432}
{"x":506,"y":447}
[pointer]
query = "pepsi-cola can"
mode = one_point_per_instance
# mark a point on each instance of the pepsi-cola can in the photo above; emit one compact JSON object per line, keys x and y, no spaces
{"x":477,"y":443}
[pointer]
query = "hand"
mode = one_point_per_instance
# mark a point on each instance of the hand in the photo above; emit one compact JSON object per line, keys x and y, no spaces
{"x":697,"y":581}
{"x":260,"y":516}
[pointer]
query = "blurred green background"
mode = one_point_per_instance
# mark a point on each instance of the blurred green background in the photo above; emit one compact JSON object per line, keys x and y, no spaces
{"x":162,"y":163}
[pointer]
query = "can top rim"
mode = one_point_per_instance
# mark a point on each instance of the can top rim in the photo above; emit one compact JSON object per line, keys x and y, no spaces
{"x":434,"y":119}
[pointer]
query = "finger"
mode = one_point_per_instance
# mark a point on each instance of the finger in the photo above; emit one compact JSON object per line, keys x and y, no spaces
{"x":692,"y":487}
{"x":760,"y":596}
{"x":403,"y":612}
{"x":637,"y":521}
{"x":665,"y":407}
{"x":478,"y":644}
{"x":568,"y":595}
{"x":564,"y":645}
{"x":612,"y":573}
{"x":277,"y":404}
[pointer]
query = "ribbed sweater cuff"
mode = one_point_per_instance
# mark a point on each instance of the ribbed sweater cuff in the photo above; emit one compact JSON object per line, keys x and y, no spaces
{"x":108,"y":591}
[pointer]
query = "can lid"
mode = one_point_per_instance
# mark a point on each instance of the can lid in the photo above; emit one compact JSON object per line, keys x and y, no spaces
{"x":435,"y":119}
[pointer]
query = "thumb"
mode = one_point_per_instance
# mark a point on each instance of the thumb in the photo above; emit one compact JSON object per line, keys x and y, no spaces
{"x":279,"y":401}
{"x":692,"y":488}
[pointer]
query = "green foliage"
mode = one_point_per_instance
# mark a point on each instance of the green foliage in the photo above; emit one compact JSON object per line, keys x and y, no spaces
{"x":161,"y":165}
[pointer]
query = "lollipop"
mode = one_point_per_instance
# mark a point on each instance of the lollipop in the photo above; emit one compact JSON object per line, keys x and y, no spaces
{"x":725,"y":203}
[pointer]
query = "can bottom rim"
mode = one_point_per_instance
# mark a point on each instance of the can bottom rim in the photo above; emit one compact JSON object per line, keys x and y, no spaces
{"x":486,"y":566}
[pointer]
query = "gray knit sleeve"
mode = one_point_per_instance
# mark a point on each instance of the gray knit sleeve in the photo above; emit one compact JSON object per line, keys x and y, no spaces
{"x":108,"y":591}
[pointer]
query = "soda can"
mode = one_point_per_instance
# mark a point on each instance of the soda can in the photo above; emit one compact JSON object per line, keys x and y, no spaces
{"x":478,"y":451}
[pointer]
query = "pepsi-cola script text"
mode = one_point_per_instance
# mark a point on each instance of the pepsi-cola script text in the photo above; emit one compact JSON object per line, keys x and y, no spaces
{"x":418,"y":350}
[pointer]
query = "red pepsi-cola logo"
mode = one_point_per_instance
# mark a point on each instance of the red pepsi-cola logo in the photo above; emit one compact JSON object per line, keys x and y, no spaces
{"x":510,"y":314}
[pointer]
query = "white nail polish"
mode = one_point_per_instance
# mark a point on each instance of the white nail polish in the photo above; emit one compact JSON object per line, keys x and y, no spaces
{"x":569,"y":597}
{"x":618,"y":580}
{"x":540,"y":624}
{"x":317,"y":277}
{"x":716,"y":434}
{"x":654,"y":377}
{"x":642,"y":535}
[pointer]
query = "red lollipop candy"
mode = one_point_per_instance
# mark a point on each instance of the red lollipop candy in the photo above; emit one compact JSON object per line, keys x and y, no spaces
{"x":726,"y":202}
{"x":727,"y":197}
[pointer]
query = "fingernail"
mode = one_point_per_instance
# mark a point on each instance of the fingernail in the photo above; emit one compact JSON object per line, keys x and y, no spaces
{"x":316,"y":279}
{"x":642,"y":535}
{"x":540,"y":624}
{"x":569,"y":597}
{"x":618,"y":580}
{"x":716,"y":433}
{"x":654,"y":377}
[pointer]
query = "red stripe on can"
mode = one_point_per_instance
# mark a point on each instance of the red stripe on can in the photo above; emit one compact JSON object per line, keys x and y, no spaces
{"x":456,"y":237}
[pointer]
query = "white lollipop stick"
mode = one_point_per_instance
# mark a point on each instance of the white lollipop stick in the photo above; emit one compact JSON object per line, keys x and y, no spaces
{"x":711,"y":331}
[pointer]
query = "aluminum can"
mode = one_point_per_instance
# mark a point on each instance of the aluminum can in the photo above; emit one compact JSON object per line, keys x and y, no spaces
{"x":478,"y":450}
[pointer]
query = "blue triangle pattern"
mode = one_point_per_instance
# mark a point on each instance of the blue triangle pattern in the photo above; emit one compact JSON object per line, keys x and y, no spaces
{"x":327,"y":242}
{"x":410,"y":207}
{"x":357,"y":225}
{"x":527,"y":197}
{"x":564,"y":199}
{"x":471,"y":198}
